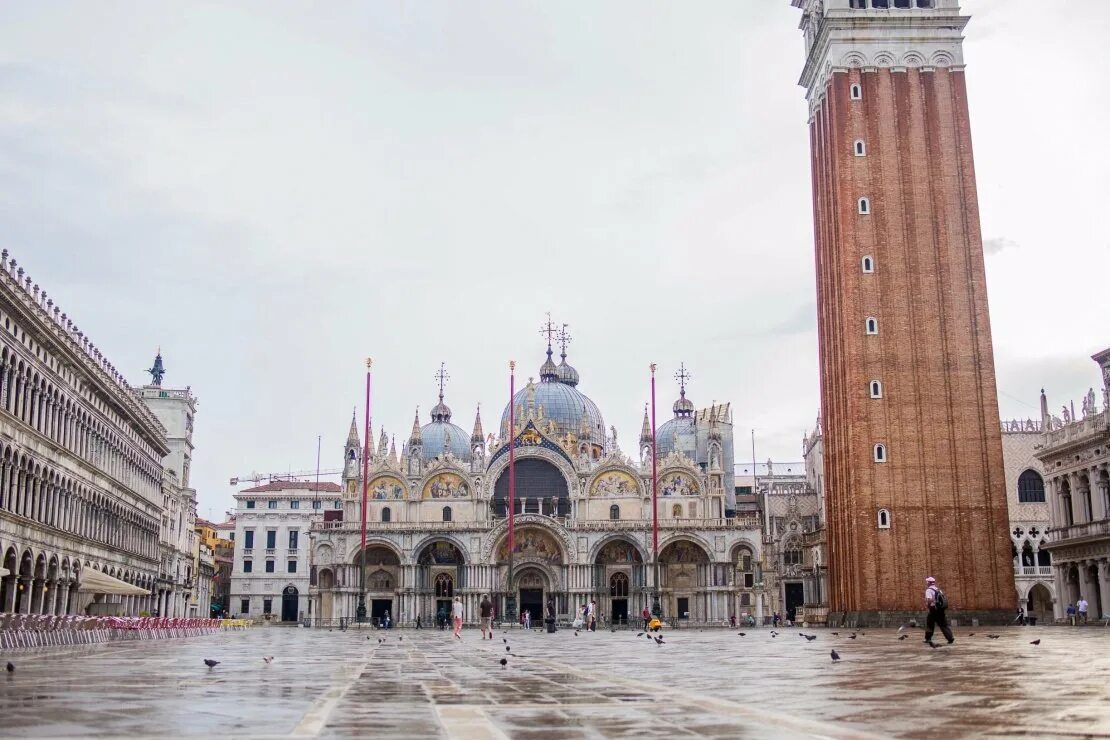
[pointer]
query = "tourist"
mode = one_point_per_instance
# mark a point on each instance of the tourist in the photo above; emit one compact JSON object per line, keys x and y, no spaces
{"x":441,"y":618}
{"x":1081,"y":607}
{"x":591,"y":616}
{"x":485,"y":610}
{"x":527,"y":619}
{"x":732,"y":620}
{"x":550,"y":617}
{"x":646,"y":614}
{"x":937,"y":604}
{"x":1020,"y":618}
{"x":1071,"y":614}
{"x":417,"y":621}
{"x":457,"y":616}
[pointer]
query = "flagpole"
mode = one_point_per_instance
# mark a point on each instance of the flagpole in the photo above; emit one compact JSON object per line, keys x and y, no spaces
{"x":510,"y":597}
{"x":361,"y":612}
{"x":656,"y":610}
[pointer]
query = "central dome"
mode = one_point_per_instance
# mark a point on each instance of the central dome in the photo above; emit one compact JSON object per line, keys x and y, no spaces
{"x":569,"y":409}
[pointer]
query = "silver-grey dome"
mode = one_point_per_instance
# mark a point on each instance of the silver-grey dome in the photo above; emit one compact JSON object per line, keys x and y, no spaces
{"x":432,"y":437}
{"x":679,"y":434}
{"x":563,"y":404}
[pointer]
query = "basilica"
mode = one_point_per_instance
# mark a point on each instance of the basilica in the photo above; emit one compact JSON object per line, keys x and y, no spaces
{"x":437,"y":523}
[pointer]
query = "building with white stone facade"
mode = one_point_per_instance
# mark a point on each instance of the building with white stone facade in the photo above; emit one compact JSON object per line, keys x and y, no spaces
{"x":270,"y":568}
{"x":80,"y":463}
{"x":1075,"y":453}
{"x":177,"y":587}
{"x":1029,"y":519}
{"x":438,"y":526}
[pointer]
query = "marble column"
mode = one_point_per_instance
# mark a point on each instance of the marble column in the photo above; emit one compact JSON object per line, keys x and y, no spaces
{"x":1086,"y":587}
{"x":1060,"y":603}
{"x":1104,"y":587}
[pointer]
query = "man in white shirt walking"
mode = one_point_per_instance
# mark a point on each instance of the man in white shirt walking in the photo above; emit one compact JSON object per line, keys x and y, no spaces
{"x":457,"y":616}
{"x":1081,"y":607}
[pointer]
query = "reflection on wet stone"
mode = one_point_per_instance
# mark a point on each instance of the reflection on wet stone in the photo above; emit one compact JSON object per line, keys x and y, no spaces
{"x":701,"y":684}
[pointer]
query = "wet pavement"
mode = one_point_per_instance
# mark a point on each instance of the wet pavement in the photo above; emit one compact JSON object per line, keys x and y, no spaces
{"x":709,"y":683}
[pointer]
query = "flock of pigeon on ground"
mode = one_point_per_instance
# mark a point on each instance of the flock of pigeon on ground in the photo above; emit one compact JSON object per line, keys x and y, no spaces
{"x":656,"y":636}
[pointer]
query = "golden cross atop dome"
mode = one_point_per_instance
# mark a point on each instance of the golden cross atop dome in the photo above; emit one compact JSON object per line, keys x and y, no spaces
{"x":682,"y":376}
{"x":442,"y":377}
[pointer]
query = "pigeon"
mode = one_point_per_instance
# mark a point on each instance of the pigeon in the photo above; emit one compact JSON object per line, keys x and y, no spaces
{"x":268,"y":659}
{"x":507,"y":648}
{"x":902,"y":637}
{"x":504,"y":662}
{"x":639,"y":634}
{"x":576,"y":633}
{"x":852,"y":636}
{"x":836,"y":633}
{"x":773,"y":635}
{"x":505,"y":640}
{"x":11,"y":667}
{"x":741,"y":634}
{"x":994,"y":637}
{"x":659,"y":640}
{"x":400,"y":639}
{"x":211,"y":663}
{"x":835,"y":655}
{"x":1036,"y":642}
{"x":971,"y":634}
{"x":801,"y":634}
{"x":810,"y":638}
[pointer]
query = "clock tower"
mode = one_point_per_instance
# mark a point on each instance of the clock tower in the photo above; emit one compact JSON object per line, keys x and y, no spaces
{"x":913,"y":452}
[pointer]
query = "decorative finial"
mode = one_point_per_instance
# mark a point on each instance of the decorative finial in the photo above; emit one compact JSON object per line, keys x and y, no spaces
{"x":442,"y":377}
{"x":563,"y":338}
{"x":369,"y":362}
{"x":512,"y":365}
{"x":550,"y":330}
{"x":682,"y":376}
{"x":653,"y":368}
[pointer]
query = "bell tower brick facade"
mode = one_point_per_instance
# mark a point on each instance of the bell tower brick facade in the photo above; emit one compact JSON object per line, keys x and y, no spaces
{"x":913,"y":451}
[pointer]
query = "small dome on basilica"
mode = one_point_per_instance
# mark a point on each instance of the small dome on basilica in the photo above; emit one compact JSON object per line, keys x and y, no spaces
{"x":434,"y":436}
{"x":680,"y":433}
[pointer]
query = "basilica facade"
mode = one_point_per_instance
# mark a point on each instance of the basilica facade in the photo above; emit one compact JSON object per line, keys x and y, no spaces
{"x":437,"y":524}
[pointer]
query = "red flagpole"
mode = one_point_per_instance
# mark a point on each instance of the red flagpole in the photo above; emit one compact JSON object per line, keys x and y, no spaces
{"x":654,"y":499}
{"x":512,"y":457}
{"x":511,"y":597}
{"x":365,"y":488}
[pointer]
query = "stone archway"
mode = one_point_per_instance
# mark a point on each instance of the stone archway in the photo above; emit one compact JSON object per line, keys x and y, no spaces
{"x":1038,"y":603}
{"x":682,"y":572}
{"x":619,"y":565}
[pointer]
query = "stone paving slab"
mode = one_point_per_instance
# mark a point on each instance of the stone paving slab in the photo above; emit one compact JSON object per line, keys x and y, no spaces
{"x":709,"y":683}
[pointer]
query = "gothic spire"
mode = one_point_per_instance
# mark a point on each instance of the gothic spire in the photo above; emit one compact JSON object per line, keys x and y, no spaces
{"x":476,"y":436}
{"x":645,"y":429}
{"x":383,"y":445}
{"x":393,"y":448}
{"x":414,"y":438}
{"x":352,"y":434}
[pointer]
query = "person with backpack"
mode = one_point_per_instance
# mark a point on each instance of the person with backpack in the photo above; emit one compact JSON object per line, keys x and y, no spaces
{"x":937,"y":603}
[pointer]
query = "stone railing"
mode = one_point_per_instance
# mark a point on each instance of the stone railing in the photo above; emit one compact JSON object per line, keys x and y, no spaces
{"x":619,"y":525}
{"x":1032,"y":570}
{"x":1021,"y":426}
{"x":1078,"y":429}
{"x":1076,"y":531}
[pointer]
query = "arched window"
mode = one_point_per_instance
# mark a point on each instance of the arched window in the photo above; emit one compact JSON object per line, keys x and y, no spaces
{"x":445,"y":586}
{"x":876,"y":389}
{"x":387,"y":515}
{"x":884,"y":519}
{"x":880,"y":453}
{"x":446,"y":513}
{"x":792,"y":555}
{"x":872,"y":325}
{"x":860,"y":148}
{"x":1031,"y":487}
{"x":864,"y":206}
{"x":618,"y":586}
{"x":614,"y":512}
{"x":868,"y":264}
{"x":855,"y":92}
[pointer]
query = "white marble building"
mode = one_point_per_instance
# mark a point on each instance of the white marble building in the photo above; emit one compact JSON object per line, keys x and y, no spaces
{"x":1029,"y":519}
{"x":80,"y":463}
{"x":270,"y":569}
{"x":1075,"y":453}
{"x":437,"y":523}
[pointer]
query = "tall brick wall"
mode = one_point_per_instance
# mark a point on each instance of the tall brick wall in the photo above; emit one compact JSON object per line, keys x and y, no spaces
{"x":943,"y":480}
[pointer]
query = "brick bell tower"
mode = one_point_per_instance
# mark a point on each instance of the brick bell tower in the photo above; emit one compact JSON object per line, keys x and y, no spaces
{"x":913,"y":450}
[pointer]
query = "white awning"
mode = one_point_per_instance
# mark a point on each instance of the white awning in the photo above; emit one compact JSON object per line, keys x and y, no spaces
{"x":101,"y":583}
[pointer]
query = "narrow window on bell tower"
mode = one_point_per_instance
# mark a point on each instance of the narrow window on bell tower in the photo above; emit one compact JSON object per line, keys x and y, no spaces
{"x":864,"y":206}
{"x":876,"y":389}
{"x":880,"y":453}
{"x":860,"y":148}
{"x":872,"y":325}
{"x":868,"y":264}
{"x":855,"y":92}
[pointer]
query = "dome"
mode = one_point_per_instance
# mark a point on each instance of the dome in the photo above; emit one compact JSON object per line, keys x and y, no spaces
{"x":564,"y":373}
{"x":432,"y":437}
{"x":563,"y":404}
{"x":680,"y":433}
{"x":683,"y":407}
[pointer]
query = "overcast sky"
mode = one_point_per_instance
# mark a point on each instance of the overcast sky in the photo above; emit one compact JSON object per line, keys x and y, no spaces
{"x":274,"y":191}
